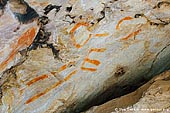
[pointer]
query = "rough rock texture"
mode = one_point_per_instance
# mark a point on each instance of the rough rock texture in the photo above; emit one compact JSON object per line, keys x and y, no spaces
{"x":96,"y":51}
{"x":152,"y":97}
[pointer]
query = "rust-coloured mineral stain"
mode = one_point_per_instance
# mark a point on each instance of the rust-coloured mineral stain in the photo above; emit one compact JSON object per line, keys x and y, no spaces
{"x":26,"y":39}
{"x":37,"y":79}
{"x":130,"y":35}
{"x":125,"y":18}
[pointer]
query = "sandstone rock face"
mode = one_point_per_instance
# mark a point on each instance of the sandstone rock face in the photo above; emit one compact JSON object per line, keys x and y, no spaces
{"x":105,"y":49}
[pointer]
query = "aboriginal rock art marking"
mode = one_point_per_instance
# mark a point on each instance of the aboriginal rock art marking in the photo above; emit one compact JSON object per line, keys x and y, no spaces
{"x":87,"y":59}
{"x":129,"y":35}
{"x":62,"y":68}
{"x":25,"y":40}
{"x":42,"y":77}
{"x":35,"y":97}
{"x":94,"y":62}
{"x":123,"y":19}
{"x":78,"y":25}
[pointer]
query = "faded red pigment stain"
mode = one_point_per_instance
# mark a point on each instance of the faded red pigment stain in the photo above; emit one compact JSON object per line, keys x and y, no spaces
{"x":125,"y":18}
{"x":35,"y":97}
{"x":42,"y":77}
{"x":26,"y":39}
{"x":92,"y":61}
{"x":131,"y":35}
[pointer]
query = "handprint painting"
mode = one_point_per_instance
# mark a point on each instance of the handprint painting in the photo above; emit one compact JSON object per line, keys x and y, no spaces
{"x":66,"y":56}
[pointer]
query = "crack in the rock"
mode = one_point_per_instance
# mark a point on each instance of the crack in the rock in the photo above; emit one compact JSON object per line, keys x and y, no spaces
{"x":50,"y":7}
{"x":20,"y":9}
{"x":156,"y":56}
{"x":162,"y":22}
{"x":25,"y":13}
{"x":42,"y":37}
{"x":5,"y":77}
{"x":2,"y":6}
{"x":161,"y":3}
{"x":102,"y":13}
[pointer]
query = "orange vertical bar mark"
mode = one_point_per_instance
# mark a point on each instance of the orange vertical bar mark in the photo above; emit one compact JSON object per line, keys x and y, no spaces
{"x":37,"y":79}
{"x":101,"y":35}
{"x":130,"y":35}
{"x":73,"y":37}
{"x":35,"y":97}
{"x":95,"y":62}
{"x":125,"y":18}
{"x":26,"y":38}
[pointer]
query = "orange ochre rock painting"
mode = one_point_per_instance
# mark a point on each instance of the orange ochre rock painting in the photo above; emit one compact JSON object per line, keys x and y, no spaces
{"x":25,"y":40}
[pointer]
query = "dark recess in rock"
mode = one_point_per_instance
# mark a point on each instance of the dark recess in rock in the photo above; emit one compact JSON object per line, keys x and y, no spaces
{"x":28,"y":17}
{"x":68,"y":9}
{"x":120,"y":71}
{"x":50,"y":7}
